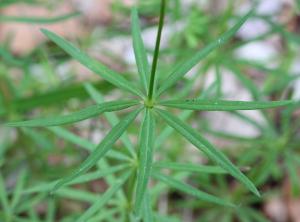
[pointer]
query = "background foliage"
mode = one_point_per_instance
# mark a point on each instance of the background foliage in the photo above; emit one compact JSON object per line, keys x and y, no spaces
{"x":45,"y":81}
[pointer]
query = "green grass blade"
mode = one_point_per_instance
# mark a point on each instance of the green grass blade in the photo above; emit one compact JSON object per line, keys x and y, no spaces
{"x":190,"y":167}
{"x":47,"y":186}
{"x":202,"y":144}
{"x":103,"y":199}
{"x":190,"y":190}
{"x":34,"y":217}
{"x":145,"y":158}
{"x":9,"y":58}
{"x":139,"y":50}
{"x":222,"y":105}
{"x":246,"y":81}
{"x":103,"y":215}
{"x":111,"y":117}
{"x":2,"y":106}
{"x":92,"y":64}
{"x":104,"y":146}
{"x":30,"y":202}
{"x":5,"y":3}
{"x":281,"y":29}
{"x":84,"y":143}
{"x":183,"y":68}
{"x":4,"y":200}
{"x":38,"y":20}
{"x":39,"y":138}
{"x":76,"y":194}
{"x":76,"y":116}
{"x":17,"y":194}
{"x":51,"y":210}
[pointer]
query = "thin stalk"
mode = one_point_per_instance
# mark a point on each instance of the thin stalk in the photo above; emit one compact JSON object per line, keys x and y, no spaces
{"x":156,"y":51}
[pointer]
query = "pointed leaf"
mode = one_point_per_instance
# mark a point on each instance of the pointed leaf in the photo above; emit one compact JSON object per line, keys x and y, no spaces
{"x":139,"y":49}
{"x":202,"y":144}
{"x":76,"y":116}
{"x":104,"y":146}
{"x":103,"y":199}
{"x":190,"y":190}
{"x":92,"y":64}
{"x":145,"y":158}
{"x":222,"y":105}
{"x":183,"y":68}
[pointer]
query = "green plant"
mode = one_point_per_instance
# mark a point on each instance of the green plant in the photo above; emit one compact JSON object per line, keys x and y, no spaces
{"x":139,"y":166}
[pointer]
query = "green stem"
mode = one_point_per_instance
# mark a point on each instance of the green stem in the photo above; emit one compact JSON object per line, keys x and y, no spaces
{"x":156,"y":52}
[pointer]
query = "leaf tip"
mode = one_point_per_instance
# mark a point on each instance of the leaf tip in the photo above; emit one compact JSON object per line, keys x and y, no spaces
{"x":46,"y":32}
{"x":11,"y":124}
{"x":256,"y":192}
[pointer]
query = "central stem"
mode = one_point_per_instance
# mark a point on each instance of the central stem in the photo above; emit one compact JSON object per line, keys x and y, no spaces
{"x":156,"y":51}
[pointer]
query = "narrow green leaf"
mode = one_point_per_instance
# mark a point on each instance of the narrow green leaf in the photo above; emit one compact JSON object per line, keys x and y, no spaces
{"x":30,"y":202}
{"x":8,"y":57}
{"x":4,"y":199}
{"x":145,"y":158}
{"x":47,"y":186}
{"x":34,"y":217}
{"x":103,"y":199}
{"x":38,"y":20}
{"x":190,"y":190}
{"x":51,"y":210}
{"x":190,"y":167}
{"x":111,"y":117}
{"x":222,"y":105}
{"x":139,"y":49}
{"x":92,"y":64}
{"x":201,"y":143}
{"x":76,"y":116}
{"x":76,"y":194}
{"x":2,"y":106}
{"x":39,"y":138}
{"x":5,"y":3}
{"x":183,"y":68}
{"x":84,"y":143}
{"x":17,"y":194}
{"x":183,"y":116}
{"x":104,"y":215}
{"x":104,"y":146}
{"x":281,"y":29}
{"x":246,"y":81}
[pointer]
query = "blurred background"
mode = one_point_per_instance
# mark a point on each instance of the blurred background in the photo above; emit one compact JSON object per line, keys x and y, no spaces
{"x":261,"y":62}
